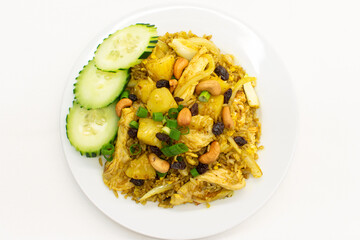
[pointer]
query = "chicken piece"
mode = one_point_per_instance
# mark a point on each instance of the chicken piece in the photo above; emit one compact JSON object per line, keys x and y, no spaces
{"x":200,"y":134}
{"x":223,"y":193}
{"x":224,"y":178}
{"x":121,"y":151}
{"x":193,"y":191}
{"x":114,"y":176}
{"x":200,"y":67}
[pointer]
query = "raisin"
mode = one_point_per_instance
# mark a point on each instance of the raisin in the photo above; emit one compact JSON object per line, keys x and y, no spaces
{"x":132,"y":132}
{"x":178,"y":99}
{"x":222,"y":72}
{"x":227,"y":95}
{"x":178,"y":165}
{"x":137,"y":182}
{"x":194,"y":109}
{"x":156,"y":151}
{"x":163,"y":83}
{"x":218,"y":128}
{"x":132,"y":97}
{"x":163,"y":137}
{"x":202,"y":168}
{"x":240,"y":141}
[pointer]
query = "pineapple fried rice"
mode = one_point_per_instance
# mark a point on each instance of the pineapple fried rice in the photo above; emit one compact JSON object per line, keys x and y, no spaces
{"x":207,"y":111}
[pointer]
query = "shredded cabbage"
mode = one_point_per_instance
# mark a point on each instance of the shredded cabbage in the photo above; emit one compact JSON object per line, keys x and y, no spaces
{"x":157,"y":190}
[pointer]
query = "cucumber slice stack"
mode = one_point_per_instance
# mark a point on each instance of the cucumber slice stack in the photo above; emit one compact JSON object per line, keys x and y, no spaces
{"x":92,"y":120}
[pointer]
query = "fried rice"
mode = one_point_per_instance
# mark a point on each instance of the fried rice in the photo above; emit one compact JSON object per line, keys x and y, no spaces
{"x":234,"y":164}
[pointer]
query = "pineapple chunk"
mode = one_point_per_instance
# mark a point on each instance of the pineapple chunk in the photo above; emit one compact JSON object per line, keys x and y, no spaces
{"x":141,"y":169}
{"x":143,"y":88}
{"x":212,"y":107}
{"x":147,"y":131}
{"x":161,"y":68}
{"x":160,"y":50}
{"x":161,"y":100}
{"x":251,"y":96}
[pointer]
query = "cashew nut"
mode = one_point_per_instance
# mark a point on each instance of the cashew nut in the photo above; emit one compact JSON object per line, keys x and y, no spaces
{"x":173,"y":84}
{"x":212,"y":154}
{"x":226,"y":117}
{"x":159,"y":164}
{"x":123,"y":103}
{"x":179,"y":66}
{"x":184,"y":117}
{"x":212,"y":86}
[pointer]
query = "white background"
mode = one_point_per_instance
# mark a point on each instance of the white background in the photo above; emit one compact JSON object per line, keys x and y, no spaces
{"x":319,"y":42}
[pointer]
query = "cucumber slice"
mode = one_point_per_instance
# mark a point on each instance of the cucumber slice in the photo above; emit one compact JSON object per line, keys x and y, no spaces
{"x":126,"y":47}
{"x":96,"y":89}
{"x":89,"y":130}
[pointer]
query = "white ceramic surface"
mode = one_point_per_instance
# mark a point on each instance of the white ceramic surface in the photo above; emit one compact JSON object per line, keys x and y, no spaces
{"x":279,"y":122}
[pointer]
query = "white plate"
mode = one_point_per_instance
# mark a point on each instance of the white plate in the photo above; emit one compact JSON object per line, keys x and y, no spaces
{"x":278,"y":115}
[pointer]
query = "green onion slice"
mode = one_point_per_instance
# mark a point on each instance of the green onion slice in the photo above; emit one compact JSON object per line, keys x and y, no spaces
{"x":107,"y":149}
{"x":171,"y":123}
{"x":134,"y":124}
{"x":173,"y":113}
{"x":125,"y":94}
{"x":166,"y":130}
{"x":175,"y":134}
{"x":158,"y":116}
{"x":135,"y":149}
{"x":161,"y":174}
{"x":174,"y":150}
{"x":204,"y":96}
{"x":180,"y":107}
{"x":165,"y":119}
{"x":108,"y":158}
{"x":194,"y":172}
{"x":142,"y":112}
